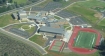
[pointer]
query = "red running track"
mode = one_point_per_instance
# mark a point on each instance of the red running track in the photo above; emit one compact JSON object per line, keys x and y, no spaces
{"x":82,"y":50}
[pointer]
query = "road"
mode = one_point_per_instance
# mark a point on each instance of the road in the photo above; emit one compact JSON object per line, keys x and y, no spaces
{"x":32,"y":44}
{"x":17,"y":9}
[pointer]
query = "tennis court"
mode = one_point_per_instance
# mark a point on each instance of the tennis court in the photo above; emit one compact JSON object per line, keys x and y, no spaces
{"x":85,"y":40}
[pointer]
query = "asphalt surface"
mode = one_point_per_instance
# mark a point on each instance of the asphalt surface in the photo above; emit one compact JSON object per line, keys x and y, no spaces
{"x":77,"y":21}
{"x":32,"y":44}
{"x":49,"y":7}
{"x":65,"y":14}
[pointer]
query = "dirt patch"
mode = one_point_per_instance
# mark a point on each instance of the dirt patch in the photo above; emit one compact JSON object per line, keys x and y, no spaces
{"x":98,"y":15}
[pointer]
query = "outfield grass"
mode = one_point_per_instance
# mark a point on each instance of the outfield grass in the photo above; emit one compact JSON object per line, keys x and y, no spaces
{"x":6,"y":20}
{"x":38,"y":39}
{"x":85,"y":40}
{"x":20,"y":1}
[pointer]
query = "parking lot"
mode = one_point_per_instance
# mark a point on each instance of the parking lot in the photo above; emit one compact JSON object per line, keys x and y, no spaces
{"x":49,"y":7}
{"x":19,"y":32}
{"x":65,"y":14}
{"x":74,"y":19}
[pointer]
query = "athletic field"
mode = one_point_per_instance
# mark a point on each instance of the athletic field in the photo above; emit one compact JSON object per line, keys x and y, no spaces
{"x":85,"y":40}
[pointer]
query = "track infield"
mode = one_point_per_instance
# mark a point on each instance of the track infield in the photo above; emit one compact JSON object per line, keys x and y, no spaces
{"x":85,"y":40}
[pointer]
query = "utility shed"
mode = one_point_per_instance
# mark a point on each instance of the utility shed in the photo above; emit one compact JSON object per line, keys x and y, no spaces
{"x":52,"y":30}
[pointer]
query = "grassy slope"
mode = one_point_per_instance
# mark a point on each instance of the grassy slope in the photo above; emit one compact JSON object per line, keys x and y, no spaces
{"x":7,"y":19}
{"x":38,"y":39}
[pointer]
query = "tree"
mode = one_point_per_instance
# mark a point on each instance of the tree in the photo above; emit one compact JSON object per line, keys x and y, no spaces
{"x":56,"y":0}
{"x":6,"y":54}
{"x":11,"y":1}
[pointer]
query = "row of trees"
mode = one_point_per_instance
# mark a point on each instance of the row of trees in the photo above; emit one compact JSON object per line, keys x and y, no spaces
{"x":101,"y":48}
{"x":4,"y":7}
{"x":11,"y":47}
{"x":5,"y":1}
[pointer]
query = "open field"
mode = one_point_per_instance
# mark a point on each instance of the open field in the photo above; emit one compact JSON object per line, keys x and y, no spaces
{"x":38,"y":39}
{"x":85,"y":40}
{"x":102,"y":23}
{"x":13,"y":47}
{"x":92,"y":3}
{"x":20,"y":1}
{"x":6,"y":20}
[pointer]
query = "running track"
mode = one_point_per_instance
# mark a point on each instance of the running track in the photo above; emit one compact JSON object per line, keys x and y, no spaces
{"x":82,"y":50}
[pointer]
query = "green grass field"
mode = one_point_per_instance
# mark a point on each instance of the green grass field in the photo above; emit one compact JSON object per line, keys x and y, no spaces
{"x":38,"y":39}
{"x":85,"y":40}
{"x":20,"y":1}
{"x":6,"y":20}
{"x":92,"y":3}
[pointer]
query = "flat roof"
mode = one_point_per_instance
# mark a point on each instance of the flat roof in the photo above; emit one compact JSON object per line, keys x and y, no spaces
{"x":52,"y":30}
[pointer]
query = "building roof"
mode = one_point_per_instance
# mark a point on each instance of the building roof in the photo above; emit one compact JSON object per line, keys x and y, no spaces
{"x":52,"y":30}
{"x":22,"y":14}
{"x":15,"y":15}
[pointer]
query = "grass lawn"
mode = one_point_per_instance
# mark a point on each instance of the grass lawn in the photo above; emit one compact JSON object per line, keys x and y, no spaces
{"x":66,"y":25}
{"x":56,"y":17}
{"x":6,"y":20}
{"x":102,"y":23}
{"x":26,"y":27}
{"x":88,"y":14}
{"x":38,"y":39}
{"x":92,"y":3}
{"x":69,"y":28}
{"x":20,"y":1}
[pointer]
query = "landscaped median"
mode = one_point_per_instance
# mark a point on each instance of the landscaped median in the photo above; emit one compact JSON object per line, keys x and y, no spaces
{"x":38,"y":39}
{"x":56,"y":17}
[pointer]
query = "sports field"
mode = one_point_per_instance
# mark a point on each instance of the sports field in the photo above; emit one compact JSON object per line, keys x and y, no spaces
{"x":85,"y":40}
